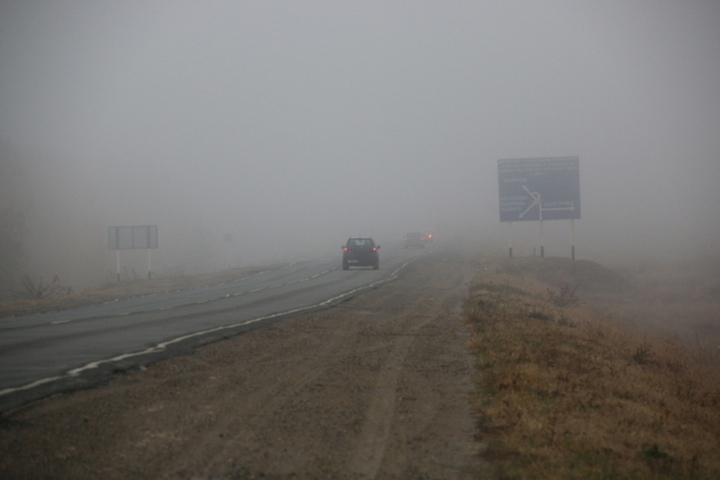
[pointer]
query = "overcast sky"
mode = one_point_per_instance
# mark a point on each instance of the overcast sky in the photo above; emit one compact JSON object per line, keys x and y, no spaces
{"x":303,"y":122}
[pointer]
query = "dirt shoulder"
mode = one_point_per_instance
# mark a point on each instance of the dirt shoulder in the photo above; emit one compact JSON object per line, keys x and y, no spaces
{"x":377,"y":387}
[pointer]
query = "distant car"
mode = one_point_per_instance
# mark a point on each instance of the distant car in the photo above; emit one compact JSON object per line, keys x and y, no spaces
{"x":428,"y":237}
{"x":414,"y":239}
{"x":360,"y":252}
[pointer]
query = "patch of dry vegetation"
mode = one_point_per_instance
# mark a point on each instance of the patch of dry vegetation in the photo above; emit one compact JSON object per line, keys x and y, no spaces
{"x":567,"y":393}
{"x":116,"y":291}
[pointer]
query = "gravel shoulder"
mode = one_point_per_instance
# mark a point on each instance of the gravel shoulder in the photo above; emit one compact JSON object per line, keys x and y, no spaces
{"x":379,"y":386}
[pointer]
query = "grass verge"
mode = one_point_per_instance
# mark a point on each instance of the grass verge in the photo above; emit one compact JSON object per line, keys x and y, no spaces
{"x":565,"y":393}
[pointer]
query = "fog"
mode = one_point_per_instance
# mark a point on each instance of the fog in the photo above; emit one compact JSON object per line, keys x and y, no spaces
{"x":253,"y":132}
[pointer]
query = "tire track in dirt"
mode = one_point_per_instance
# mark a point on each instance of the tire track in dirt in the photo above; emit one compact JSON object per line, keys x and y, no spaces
{"x":376,"y":429}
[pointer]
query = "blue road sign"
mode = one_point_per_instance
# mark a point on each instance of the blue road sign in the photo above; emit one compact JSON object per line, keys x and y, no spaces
{"x":539,"y":189}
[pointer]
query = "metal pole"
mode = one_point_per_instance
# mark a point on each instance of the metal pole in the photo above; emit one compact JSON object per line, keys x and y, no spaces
{"x":542,"y":240}
{"x":149,"y":265}
{"x":572,"y":226}
{"x":510,"y":239}
{"x":117,"y":255}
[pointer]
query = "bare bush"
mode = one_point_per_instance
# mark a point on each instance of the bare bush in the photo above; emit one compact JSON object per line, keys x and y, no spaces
{"x":642,"y":353}
{"x":565,"y":297}
{"x":40,"y":289}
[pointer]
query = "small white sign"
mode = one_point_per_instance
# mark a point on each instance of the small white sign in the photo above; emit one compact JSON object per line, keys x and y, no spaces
{"x":131,"y":238}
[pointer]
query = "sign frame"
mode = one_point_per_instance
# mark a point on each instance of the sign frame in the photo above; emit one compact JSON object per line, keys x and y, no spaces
{"x":131,"y":238}
{"x":140,"y":237}
{"x":538,"y":189}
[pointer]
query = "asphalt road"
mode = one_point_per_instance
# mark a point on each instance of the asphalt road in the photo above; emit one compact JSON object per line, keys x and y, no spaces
{"x":78,"y":348}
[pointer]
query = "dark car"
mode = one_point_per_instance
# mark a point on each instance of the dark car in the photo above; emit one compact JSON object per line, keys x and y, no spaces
{"x":360,"y":252}
{"x":414,"y":239}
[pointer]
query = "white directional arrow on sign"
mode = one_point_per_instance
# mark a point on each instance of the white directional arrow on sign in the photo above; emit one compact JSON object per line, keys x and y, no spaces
{"x":536,"y":198}
{"x":538,"y":202}
{"x":558,"y":208}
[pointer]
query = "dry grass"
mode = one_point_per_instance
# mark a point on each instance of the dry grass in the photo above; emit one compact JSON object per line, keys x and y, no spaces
{"x":568,"y":393}
{"x":111,"y":291}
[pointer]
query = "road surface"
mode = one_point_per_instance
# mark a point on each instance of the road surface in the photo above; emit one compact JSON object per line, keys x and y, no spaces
{"x":40,"y":354}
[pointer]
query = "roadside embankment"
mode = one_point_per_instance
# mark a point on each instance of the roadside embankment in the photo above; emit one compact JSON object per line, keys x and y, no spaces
{"x":565,"y":392}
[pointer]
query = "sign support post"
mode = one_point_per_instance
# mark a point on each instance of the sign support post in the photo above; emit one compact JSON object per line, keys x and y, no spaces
{"x":149,"y":265}
{"x":509,"y":239}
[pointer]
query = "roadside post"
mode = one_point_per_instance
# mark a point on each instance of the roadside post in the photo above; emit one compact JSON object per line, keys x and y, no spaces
{"x":510,"y":239}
